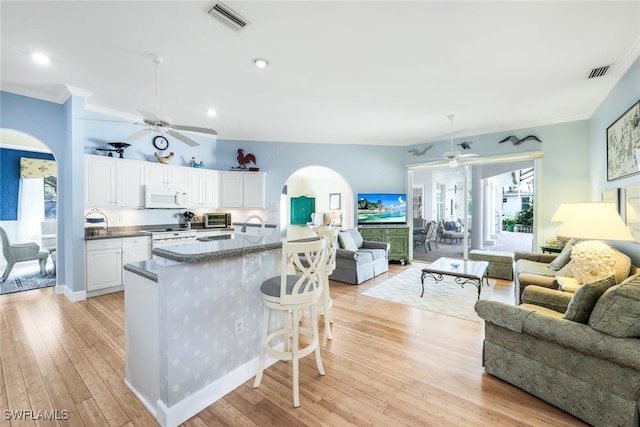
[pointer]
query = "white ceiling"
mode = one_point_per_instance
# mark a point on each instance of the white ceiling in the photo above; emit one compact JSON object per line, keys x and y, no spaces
{"x":364,"y":72}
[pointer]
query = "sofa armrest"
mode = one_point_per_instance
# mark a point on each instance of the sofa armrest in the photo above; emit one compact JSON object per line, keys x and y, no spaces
{"x":506,"y":315}
{"x":535,"y":256}
{"x":545,"y":297}
{"x":343,"y":253}
{"x":369,"y":244}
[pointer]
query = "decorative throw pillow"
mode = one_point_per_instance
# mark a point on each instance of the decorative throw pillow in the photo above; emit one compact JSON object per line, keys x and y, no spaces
{"x":622,"y":266}
{"x":347,"y":242}
{"x":564,"y":257}
{"x":565,"y":271}
{"x":617,"y":312}
{"x":585,"y":298}
{"x":592,"y":260}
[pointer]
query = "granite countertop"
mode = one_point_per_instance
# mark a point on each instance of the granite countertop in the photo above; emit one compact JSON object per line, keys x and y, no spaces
{"x":218,"y":249}
{"x":147,"y":269}
{"x":116,"y":235}
{"x":144,"y":230}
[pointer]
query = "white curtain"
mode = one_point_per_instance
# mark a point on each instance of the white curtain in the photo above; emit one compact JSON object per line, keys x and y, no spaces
{"x":30,"y":208}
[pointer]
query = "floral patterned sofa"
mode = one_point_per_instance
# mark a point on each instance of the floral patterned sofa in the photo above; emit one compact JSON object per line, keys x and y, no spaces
{"x":579,"y":352}
{"x":534,"y":268}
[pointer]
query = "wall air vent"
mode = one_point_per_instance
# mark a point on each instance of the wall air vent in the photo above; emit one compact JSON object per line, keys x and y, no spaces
{"x":598,"y":72}
{"x":227,"y":16}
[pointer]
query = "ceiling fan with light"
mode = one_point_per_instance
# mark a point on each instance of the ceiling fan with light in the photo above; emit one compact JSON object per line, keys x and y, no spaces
{"x":162,"y":124}
{"x":452,"y":156}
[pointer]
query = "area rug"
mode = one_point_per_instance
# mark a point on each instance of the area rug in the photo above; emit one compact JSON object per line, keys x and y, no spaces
{"x":26,"y":282}
{"x":446,"y":297}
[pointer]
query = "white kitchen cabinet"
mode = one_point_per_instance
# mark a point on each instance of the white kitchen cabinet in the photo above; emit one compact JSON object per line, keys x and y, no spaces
{"x":129,"y":183}
{"x":110,"y":181}
{"x":242,"y":189}
{"x":104,"y":264}
{"x":135,"y":249}
{"x":158,"y":173}
{"x":203,"y":188}
{"x":100,"y":181}
{"x":106,"y":259}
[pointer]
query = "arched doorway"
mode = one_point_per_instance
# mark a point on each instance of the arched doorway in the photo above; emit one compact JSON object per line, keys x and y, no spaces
{"x":331,"y":194}
{"x":28,"y":213}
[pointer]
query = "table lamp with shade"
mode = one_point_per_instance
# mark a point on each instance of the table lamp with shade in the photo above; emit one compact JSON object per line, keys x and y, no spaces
{"x":594,"y":220}
{"x":563,"y":211}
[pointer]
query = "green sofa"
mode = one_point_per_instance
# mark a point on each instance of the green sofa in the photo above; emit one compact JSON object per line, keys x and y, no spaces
{"x":591,"y":370}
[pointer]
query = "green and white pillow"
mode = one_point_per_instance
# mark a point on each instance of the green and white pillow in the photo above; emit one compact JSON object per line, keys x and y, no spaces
{"x":585,"y":299}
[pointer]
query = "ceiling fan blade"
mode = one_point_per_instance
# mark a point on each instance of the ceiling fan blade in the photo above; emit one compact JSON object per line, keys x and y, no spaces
{"x":107,"y":120}
{"x":468,"y":155}
{"x":139,"y":134}
{"x":196,"y":129}
{"x":180,"y":137}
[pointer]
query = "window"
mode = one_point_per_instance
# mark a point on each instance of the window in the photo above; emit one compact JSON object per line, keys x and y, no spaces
{"x":418,"y":202}
{"x":50,"y":197}
{"x":526,"y":202}
{"x":440,"y":201}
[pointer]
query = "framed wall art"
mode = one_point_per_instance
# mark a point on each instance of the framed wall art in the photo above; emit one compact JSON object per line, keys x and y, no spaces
{"x":612,"y":196}
{"x":632,"y":210}
{"x":334,"y":201}
{"x":623,"y":144}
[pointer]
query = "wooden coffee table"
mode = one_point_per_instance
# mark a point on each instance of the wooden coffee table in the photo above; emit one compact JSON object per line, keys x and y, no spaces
{"x":464,"y":271}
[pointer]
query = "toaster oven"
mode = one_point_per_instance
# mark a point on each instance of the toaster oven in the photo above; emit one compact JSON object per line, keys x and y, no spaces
{"x":217,"y":220}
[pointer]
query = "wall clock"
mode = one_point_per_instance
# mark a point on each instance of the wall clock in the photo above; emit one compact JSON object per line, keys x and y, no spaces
{"x":160,"y":142}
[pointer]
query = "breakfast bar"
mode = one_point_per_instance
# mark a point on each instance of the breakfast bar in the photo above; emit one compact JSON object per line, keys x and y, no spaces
{"x":192,"y":322}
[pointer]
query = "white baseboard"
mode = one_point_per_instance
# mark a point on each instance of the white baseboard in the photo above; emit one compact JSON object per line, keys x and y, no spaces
{"x":73,"y":296}
{"x":187,"y":408}
{"x":149,"y":405}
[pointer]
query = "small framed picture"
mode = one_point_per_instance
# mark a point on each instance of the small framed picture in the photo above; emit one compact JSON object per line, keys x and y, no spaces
{"x":612,"y":196}
{"x":632,"y":210}
{"x":334,"y":201}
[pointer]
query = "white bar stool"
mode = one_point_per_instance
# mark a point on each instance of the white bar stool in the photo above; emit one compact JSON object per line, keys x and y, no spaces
{"x":291,"y":294}
{"x":330,"y":235}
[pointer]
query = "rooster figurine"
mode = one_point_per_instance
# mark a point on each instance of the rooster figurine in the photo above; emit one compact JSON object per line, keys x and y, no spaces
{"x":243,"y":160}
{"x":165,"y":159}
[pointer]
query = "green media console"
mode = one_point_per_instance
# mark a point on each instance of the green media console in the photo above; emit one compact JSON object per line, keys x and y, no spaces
{"x":396,"y":235}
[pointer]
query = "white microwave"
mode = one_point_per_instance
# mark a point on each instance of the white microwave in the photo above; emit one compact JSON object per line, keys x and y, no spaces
{"x":166,"y":197}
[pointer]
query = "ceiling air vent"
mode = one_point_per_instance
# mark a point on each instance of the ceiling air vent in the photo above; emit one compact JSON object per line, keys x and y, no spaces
{"x":598,"y":72}
{"x":227,"y":16}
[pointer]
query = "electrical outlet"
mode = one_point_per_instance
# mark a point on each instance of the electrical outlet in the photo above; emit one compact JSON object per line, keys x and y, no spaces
{"x":239,"y":326}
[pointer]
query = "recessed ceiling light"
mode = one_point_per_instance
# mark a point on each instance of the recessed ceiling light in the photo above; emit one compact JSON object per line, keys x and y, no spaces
{"x":40,"y":58}
{"x":211,"y":112}
{"x":260,"y":62}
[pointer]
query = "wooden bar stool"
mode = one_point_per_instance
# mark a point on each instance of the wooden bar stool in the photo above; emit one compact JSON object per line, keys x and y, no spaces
{"x":291,"y":294}
{"x":330,"y":235}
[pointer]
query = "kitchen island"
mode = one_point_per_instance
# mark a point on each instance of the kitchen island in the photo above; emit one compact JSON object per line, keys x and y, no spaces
{"x":193,"y":320}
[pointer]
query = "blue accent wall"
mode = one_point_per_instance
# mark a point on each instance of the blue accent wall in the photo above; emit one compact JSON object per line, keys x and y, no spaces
{"x":10,"y":180}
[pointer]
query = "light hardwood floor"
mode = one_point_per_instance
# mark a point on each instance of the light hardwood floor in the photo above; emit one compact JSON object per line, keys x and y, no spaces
{"x":387,"y":365}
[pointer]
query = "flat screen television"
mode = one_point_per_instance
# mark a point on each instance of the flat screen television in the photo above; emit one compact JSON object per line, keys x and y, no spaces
{"x":382,"y":208}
